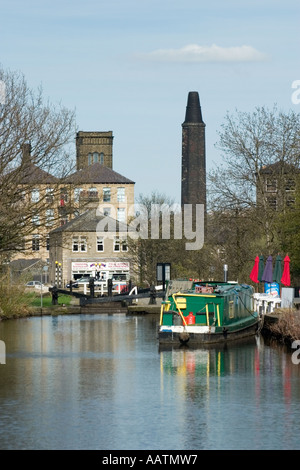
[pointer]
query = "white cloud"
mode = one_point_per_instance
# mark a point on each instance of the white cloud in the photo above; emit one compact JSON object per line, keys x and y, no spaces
{"x":213,"y":53}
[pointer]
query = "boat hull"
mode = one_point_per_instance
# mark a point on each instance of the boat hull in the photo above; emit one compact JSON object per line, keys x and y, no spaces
{"x":199,"y":335}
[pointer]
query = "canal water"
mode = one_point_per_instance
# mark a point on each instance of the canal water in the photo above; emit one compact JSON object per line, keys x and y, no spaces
{"x":101,"y":382}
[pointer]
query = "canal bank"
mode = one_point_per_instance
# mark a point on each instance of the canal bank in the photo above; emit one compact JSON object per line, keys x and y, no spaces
{"x":283,"y":324}
{"x":139,"y":308}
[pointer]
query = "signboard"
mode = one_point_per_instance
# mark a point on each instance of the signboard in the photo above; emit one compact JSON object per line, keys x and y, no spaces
{"x":287,"y":297}
{"x":105,"y":266}
{"x":80,"y":266}
{"x":113,"y":265}
{"x":272,"y":288}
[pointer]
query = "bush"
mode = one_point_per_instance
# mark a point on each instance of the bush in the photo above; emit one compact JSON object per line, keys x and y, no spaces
{"x":288,"y":325}
{"x":13,"y":301}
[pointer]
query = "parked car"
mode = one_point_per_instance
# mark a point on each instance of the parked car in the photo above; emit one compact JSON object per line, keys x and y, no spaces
{"x":86,"y":280}
{"x":74,"y":285}
{"x":34,"y":284}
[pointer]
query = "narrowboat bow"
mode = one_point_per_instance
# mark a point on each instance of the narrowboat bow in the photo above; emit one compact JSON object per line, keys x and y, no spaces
{"x":207,"y":312}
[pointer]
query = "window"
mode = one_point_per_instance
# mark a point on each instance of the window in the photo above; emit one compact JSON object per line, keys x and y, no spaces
{"x":35,"y":195}
{"x":100,"y":244}
{"x":116,"y":244}
{"x":49,"y":195}
{"x":101,"y":158}
{"x":90,"y":159}
{"x":231,"y":309}
{"x":49,"y":217}
{"x":271,"y":185}
{"x":290,"y":202}
{"x":120,"y":245}
{"x":77,"y":192}
{"x":93,"y":193}
{"x":35,"y":219}
{"x":290,"y":184}
{"x":79,"y":244}
{"x":272,"y":201}
{"x":63,"y":197}
{"x":22,"y":244}
{"x":35,"y":242}
{"x":121,"y":214}
{"x":121,"y":194}
{"x":75,"y":244}
{"x":106,"y":194}
{"x":95,"y":157}
{"x":47,"y":243}
{"x":83,"y":244}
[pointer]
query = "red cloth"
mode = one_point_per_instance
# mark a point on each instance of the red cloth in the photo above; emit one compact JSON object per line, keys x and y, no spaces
{"x":286,"y":280}
{"x":254,"y":272}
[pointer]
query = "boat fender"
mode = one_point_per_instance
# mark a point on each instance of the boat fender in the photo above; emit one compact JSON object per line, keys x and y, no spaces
{"x":184,"y":337}
{"x":191,"y":319}
{"x":225,"y":331}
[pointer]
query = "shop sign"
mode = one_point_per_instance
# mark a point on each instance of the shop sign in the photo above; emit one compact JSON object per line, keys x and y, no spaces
{"x":109,"y":266}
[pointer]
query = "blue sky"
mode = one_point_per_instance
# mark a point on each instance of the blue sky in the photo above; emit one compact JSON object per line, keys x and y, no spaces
{"x":127,"y":66}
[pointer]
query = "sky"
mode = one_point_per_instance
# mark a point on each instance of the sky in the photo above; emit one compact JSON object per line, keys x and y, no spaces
{"x":128,"y":66}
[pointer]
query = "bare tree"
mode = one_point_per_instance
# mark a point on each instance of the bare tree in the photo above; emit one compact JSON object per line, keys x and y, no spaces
{"x":28,"y":121}
{"x":256,"y":148}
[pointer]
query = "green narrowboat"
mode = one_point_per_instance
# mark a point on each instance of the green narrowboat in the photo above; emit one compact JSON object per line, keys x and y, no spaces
{"x":207,"y":312}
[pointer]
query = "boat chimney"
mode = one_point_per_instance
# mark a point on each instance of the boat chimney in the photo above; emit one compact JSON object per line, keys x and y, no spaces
{"x":225,"y":272}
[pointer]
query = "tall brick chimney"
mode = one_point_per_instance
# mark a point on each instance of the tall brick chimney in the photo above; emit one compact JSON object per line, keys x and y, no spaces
{"x":193,"y":165}
{"x":26,"y":153}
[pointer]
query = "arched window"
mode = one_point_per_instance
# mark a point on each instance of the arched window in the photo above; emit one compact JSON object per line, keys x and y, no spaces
{"x":101,"y":158}
{"x":90,"y":159}
{"x":95,"y":157}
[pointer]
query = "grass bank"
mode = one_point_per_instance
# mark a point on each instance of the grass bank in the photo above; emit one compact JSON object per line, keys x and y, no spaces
{"x":16,"y":302}
{"x":35,"y":300}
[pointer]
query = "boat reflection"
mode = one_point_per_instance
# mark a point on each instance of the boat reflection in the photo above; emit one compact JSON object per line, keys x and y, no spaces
{"x":209,"y":360}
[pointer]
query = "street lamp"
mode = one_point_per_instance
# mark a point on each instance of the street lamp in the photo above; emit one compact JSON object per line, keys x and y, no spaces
{"x":163,"y":273}
{"x":45,"y":269}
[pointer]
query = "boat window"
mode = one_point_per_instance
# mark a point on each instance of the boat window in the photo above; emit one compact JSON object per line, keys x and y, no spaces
{"x":231,"y":309}
{"x":181,"y":303}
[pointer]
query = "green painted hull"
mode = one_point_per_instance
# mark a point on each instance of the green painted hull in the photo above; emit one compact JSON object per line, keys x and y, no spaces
{"x":207,"y":314}
{"x":186,"y":336}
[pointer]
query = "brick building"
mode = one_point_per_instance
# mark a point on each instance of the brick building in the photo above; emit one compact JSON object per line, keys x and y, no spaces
{"x":89,"y":244}
{"x":55,"y":202}
{"x":276,"y":185}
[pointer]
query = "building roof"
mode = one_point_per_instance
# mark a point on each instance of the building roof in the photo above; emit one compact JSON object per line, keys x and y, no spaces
{"x":97,"y":174}
{"x":32,"y":174}
{"x":90,"y":221}
{"x":22,"y":264}
{"x":277,"y":167}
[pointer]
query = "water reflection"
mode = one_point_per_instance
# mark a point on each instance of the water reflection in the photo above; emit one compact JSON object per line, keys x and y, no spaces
{"x":246,"y":395}
{"x":102,"y":382}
